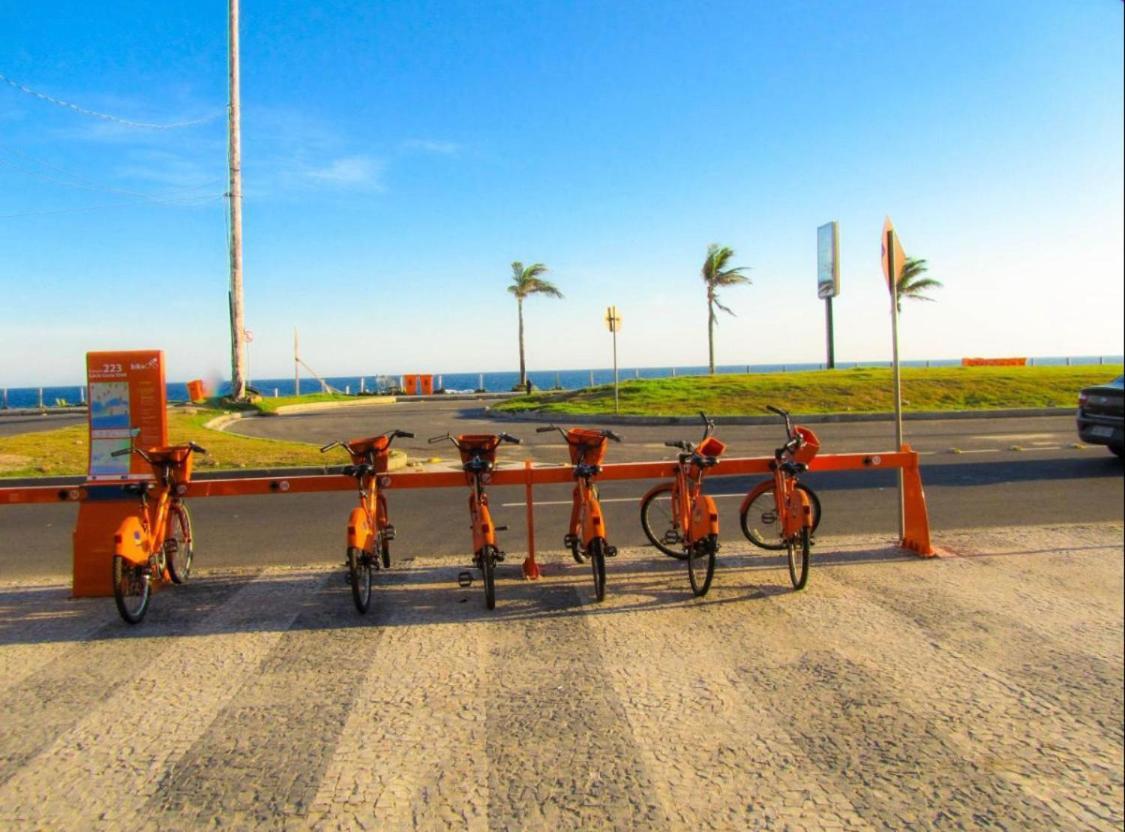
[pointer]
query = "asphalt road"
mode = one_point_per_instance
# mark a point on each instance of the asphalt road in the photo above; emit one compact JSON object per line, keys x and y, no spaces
{"x":978,"y":473}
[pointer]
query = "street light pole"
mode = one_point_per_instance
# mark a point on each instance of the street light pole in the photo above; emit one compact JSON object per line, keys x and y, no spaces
{"x":237,"y":318}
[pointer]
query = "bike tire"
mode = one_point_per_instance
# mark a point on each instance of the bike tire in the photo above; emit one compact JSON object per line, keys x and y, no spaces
{"x":701,"y":564}
{"x":488,"y":571}
{"x":359,"y":573}
{"x":798,"y":551}
{"x":597,"y":566}
{"x":179,"y":556}
{"x":658,"y":523}
{"x":385,"y":552}
{"x":760,"y":523}
{"x":131,"y":589}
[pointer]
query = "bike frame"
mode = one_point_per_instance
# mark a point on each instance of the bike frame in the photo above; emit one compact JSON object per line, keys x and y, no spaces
{"x":793,"y":505}
{"x":142,"y":535}
{"x":484,"y":531}
{"x":695,"y":513}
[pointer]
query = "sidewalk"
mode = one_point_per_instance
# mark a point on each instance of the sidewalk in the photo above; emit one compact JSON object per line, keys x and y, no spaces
{"x":979,"y":689}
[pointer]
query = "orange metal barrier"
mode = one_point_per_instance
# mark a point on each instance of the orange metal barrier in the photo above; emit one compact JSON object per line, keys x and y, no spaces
{"x":917,"y":525}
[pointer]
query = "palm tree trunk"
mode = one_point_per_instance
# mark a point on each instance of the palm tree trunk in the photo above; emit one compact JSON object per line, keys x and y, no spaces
{"x":710,"y":334}
{"x":523,"y":365}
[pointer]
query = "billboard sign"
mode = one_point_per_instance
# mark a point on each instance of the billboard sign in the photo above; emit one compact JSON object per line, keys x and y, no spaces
{"x":126,"y":395}
{"x":828,"y":260}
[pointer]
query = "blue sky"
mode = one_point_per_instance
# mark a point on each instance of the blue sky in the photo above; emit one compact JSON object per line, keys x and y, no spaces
{"x":398,"y":156}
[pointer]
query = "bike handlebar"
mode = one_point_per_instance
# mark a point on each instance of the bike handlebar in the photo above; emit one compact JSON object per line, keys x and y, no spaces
{"x":141,"y":453}
{"x":390,"y":434}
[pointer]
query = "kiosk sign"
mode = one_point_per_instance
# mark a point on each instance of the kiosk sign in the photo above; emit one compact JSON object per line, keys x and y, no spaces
{"x":126,"y":393}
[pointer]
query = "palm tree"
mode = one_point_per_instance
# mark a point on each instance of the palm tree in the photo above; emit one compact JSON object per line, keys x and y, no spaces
{"x":912,"y":284}
{"x":528,"y":281}
{"x":717,"y":272}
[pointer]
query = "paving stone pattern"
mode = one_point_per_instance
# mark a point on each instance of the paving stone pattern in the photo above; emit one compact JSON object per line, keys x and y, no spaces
{"x":978,"y":690}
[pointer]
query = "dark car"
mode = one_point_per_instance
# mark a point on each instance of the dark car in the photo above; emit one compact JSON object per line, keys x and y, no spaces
{"x":1101,"y":419}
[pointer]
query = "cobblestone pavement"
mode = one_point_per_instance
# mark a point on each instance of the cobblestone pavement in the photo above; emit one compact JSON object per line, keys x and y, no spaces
{"x":978,"y":690}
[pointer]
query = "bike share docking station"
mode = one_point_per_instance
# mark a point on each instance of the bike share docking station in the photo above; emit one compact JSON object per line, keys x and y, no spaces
{"x":127,"y":391}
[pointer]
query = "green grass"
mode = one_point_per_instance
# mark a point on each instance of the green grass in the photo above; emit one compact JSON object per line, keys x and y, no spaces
{"x":271,"y":405}
{"x":828,"y":391}
{"x":64,"y":451}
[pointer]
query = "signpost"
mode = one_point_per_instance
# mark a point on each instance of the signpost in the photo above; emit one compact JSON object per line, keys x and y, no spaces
{"x":828,"y":278}
{"x":893,"y":258}
{"x":126,"y":392}
{"x":613,"y":322}
{"x":127,"y":404}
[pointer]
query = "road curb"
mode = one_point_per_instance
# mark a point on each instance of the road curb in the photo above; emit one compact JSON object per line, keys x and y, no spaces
{"x":811,"y":418}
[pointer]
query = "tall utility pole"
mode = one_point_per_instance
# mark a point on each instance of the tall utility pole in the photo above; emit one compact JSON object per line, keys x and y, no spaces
{"x":894,"y":262}
{"x":237,"y":320}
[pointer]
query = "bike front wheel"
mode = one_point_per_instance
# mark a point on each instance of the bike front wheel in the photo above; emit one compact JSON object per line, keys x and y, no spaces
{"x":597,"y":565}
{"x":179,"y":545}
{"x":660,"y":524}
{"x":701,"y":564}
{"x":761,"y":522}
{"x":131,"y":589}
{"x":798,"y":550}
{"x":359,"y":572}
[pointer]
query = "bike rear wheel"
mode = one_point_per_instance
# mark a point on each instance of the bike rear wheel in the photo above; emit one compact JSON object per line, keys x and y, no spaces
{"x":597,"y":565}
{"x":488,"y":572}
{"x":660,"y":524}
{"x":798,"y":550}
{"x":179,"y":545}
{"x":761,"y":523}
{"x":359,"y":571}
{"x":131,"y":589}
{"x":701,"y":564}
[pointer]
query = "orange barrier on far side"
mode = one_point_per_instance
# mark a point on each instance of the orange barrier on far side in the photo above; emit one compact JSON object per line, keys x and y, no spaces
{"x":993,"y":362}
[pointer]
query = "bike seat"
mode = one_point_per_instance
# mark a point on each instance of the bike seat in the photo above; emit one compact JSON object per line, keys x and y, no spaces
{"x":358,"y":470}
{"x":137,"y":489}
{"x":794,"y":467}
{"x":584,"y":470}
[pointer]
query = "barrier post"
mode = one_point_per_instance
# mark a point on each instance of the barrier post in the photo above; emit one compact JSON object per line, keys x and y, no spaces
{"x":916,"y":522}
{"x":530,"y":567}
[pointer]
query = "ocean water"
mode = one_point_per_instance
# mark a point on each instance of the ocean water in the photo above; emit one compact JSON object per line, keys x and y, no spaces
{"x":499,"y":382}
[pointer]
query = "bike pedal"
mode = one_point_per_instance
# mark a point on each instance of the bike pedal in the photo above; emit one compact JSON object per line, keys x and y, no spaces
{"x":570,"y":540}
{"x":388,"y":533}
{"x":464,"y":579}
{"x":501,"y":528}
{"x":611,"y":551}
{"x":499,"y":557}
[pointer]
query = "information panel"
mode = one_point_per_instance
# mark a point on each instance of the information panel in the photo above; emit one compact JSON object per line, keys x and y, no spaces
{"x":126,"y":393}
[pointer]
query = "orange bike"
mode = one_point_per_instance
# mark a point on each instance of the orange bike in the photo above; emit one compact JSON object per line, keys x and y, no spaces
{"x":586,"y":534}
{"x":369,"y":531}
{"x":155,"y":544}
{"x":782,"y":513}
{"x":678,"y":518}
{"x":478,"y":458}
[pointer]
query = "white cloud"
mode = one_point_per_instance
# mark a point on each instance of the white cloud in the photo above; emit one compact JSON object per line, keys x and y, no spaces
{"x":350,"y":171}
{"x":443,"y":148}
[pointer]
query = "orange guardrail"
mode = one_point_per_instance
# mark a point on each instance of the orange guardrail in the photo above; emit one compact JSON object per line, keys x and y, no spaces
{"x":916,"y":536}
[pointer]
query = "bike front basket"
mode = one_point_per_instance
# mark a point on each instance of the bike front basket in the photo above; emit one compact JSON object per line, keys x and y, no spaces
{"x":480,"y":445}
{"x":378,"y":445}
{"x":712,"y":447}
{"x":586,"y":446}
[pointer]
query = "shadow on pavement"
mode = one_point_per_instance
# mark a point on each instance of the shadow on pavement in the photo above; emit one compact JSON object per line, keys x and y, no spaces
{"x":427,"y":594}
